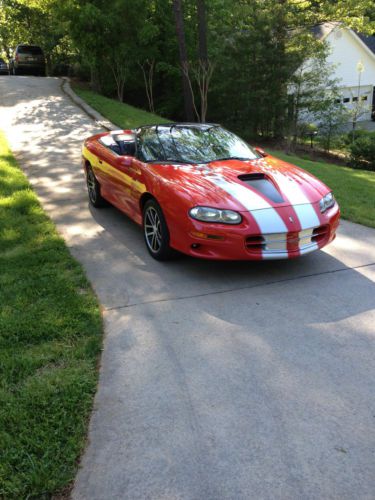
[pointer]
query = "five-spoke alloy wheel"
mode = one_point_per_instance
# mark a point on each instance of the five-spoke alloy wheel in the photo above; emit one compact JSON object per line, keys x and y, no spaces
{"x":156,"y":231}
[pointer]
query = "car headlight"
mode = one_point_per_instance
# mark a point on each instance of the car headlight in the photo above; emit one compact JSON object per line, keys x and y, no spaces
{"x":327,"y":202}
{"x":207,"y":214}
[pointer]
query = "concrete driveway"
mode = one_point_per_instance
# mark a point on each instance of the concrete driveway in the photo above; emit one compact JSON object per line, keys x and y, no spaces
{"x":218,"y":380}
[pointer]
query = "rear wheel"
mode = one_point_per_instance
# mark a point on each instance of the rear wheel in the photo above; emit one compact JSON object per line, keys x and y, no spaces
{"x":93,"y":189}
{"x":156,"y":232}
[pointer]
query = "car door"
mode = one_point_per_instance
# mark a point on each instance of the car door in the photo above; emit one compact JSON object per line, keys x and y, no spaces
{"x":114,"y":173}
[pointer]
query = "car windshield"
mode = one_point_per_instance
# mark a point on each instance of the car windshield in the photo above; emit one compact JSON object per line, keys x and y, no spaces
{"x":191,"y":144}
{"x":29,"y":49}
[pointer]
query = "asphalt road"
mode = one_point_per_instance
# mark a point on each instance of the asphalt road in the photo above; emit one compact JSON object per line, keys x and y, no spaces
{"x":218,"y":380}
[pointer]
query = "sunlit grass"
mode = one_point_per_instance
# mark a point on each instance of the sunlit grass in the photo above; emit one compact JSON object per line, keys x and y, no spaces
{"x":121,"y":114}
{"x":354,"y":189}
{"x":50,"y":338}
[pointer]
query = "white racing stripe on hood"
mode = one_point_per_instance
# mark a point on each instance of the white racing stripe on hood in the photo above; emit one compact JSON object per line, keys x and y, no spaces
{"x":247,"y":197}
{"x":301,"y":204}
{"x":266,"y":216}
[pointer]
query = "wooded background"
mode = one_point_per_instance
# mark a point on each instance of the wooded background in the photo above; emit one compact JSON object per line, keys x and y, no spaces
{"x":226,"y":61}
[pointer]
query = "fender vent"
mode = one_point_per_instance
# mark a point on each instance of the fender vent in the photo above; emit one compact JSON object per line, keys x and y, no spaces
{"x":263,"y":184}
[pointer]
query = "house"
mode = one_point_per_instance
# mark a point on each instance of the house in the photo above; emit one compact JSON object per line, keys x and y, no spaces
{"x":353,"y":58}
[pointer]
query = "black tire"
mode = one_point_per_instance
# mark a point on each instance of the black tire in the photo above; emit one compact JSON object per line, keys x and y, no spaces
{"x":93,"y":189}
{"x":155,"y":231}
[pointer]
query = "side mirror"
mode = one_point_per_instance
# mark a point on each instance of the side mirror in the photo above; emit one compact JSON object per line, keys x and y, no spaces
{"x":127,"y":161}
{"x":261,"y":152}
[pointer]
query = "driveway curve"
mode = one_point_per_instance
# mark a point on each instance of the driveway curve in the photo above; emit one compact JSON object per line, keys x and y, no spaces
{"x":218,"y":380}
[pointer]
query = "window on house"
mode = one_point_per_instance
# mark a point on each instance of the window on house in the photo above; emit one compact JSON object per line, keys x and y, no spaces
{"x":364,"y":98}
{"x":355,"y":99}
{"x":337,"y":101}
{"x":346,"y":99}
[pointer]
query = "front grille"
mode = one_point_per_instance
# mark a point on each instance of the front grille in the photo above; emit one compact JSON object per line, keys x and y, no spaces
{"x":274,"y":243}
{"x":255,"y":242}
{"x":320,"y":233}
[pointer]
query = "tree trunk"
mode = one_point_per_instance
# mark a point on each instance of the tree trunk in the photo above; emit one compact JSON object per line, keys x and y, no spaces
{"x":202,"y":32}
{"x":94,"y":79}
{"x":148,"y":68}
{"x":329,"y":136}
{"x":280,"y":35}
{"x":180,"y":31}
{"x":206,"y":70}
{"x":49,"y":64}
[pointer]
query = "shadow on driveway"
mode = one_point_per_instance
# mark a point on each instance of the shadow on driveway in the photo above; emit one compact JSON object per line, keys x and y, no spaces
{"x":219,"y":380}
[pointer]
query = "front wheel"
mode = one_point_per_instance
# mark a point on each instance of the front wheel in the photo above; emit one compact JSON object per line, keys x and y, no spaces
{"x":156,"y":232}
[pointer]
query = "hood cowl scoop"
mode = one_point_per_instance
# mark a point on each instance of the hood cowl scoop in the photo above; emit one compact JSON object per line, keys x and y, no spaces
{"x":263,"y":184}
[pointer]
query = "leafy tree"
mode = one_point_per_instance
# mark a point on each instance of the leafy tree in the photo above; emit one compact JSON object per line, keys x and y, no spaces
{"x":87,"y":26}
{"x":205,"y":67}
{"x":35,"y":22}
{"x":312,"y":90}
{"x":359,"y":109}
{"x":253,"y":64}
{"x":184,"y":62}
{"x":130,"y":49}
{"x":331,"y":120}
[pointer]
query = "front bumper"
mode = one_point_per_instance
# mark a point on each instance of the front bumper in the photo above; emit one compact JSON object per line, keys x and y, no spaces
{"x":245,"y":242}
{"x":30,"y":66}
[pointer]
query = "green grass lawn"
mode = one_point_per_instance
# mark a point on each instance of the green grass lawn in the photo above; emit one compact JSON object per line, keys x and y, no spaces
{"x":354,"y":189}
{"x":50,"y":338}
{"x":121,"y":114}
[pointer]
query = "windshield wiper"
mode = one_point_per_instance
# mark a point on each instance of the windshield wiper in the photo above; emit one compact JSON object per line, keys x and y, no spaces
{"x":170,"y":162}
{"x":232,"y":158}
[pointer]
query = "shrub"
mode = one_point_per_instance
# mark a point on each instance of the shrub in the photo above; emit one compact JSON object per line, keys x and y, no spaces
{"x":362,"y":152}
{"x":353,"y":135}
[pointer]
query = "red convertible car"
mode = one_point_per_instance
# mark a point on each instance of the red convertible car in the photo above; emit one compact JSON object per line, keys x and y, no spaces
{"x":201,"y":190}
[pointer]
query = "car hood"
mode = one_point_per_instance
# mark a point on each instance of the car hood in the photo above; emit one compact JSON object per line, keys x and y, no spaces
{"x":243,"y":185}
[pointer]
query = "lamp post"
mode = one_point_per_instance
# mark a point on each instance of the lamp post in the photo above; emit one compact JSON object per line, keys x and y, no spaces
{"x":360,"y":69}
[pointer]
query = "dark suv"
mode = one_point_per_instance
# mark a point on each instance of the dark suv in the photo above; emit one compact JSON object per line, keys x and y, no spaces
{"x":28,"y":59}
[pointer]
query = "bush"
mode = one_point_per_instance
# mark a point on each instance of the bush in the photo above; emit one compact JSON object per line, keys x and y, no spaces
{"x":362,"y":151}
{"x":353,"y":135}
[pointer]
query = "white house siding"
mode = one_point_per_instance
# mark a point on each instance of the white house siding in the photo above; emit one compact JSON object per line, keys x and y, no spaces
{"x":346,"y":49}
